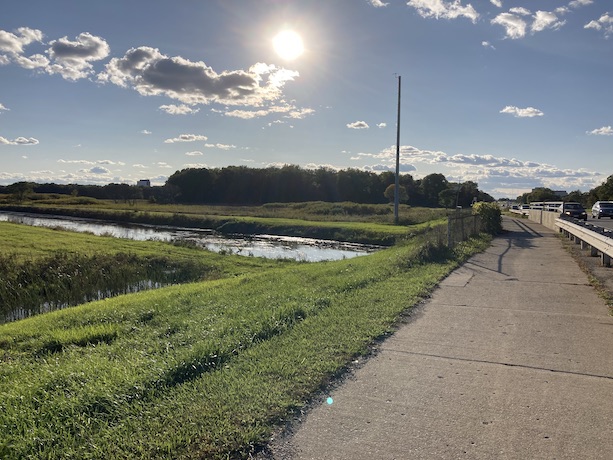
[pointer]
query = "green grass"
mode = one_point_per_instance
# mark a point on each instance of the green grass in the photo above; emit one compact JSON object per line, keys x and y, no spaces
{"x":30,"y":243}
{"x":203,"y":370}
{"x":42,"y":268}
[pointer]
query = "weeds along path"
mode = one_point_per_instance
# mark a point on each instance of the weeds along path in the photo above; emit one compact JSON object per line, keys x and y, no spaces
{"x":204,"y":370}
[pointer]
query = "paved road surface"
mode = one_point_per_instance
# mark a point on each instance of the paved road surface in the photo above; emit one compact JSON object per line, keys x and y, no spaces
{"x":511,"y":358}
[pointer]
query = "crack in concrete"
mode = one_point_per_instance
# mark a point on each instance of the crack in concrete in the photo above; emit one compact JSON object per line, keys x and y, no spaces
{"x":500,"y":363}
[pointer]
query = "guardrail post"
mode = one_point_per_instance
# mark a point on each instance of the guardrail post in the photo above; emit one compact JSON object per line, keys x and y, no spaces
{"x":598,"y":243}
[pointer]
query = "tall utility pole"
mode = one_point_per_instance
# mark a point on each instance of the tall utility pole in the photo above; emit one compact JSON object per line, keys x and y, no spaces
{"x":397,"y":181}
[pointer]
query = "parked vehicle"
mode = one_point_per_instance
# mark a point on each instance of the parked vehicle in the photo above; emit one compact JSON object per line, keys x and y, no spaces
{"x":602,"y":209}
{"x":572,"y":209}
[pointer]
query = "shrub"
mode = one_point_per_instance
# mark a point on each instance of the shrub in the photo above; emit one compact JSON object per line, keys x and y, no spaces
{"x":491,"y":216}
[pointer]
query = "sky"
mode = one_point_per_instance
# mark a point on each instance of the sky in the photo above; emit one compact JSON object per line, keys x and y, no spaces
{"x":511,"y":94}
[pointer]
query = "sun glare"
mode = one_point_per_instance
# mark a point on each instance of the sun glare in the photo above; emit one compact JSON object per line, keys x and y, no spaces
{"x":288,"y":45}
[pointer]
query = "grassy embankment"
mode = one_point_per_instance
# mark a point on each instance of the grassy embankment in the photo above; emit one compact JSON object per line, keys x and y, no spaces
{"x":42,"y":269}
{"x":201,"y":370}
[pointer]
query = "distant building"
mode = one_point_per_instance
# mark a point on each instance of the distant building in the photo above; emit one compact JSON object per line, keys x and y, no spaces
{"x":560,"y":193}
{"x":144,"y":183}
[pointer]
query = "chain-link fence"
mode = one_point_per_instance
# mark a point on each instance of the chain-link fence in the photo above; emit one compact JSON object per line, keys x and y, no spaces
{"x":462,"y":225}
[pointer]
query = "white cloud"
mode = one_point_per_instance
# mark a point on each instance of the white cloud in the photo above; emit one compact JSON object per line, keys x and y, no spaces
{"x":497,"y":3}
{"x":381,"y":125}
{"x":290,"y":111}
{"x":178,"y":109}
{"x":322,"y":165}
{"x":604,"y":131}
{"x":442,"y":9}
{"x":403,"y":167}
{"x":520,"y":10}
{"x":377,"y":3}
{"x":514,"y":25}
{"x":99,"y":170}
{"x":545,"y":20}
{"x":580,"y":3}
{"x":78,"y":162}
{"x":528,"y":112}
{"x":89,"y":162}
{"x":247,"y":114}
{"x":358,"y":125}
{"x":145,"y":131}
{"x":220,"y":146}
{"x":151,"y":73}
{"x":186,"y":138}
{"x":299,"y":114}
{"x":604,"y":23}
{"x":36,"y":61}
{"x":487,"y":44}
{"x":2,"y":108}
{"x":194,"y":153}
{"x":13,"y":43}
{"x":19,"y":141}
{"x":498,"y":175}
{"x":72,"y":59}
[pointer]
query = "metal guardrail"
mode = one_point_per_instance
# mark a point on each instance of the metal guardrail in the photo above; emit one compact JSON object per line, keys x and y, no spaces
{"x":597,"y":239}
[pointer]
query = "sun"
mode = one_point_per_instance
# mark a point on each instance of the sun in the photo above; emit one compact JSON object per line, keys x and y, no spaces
{"x":288,"y":45}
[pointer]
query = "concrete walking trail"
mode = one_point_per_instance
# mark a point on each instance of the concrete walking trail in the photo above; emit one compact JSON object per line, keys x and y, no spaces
{"x":511,"y":358}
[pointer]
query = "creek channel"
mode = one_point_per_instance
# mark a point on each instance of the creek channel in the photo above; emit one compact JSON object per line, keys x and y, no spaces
{"x":269,"y":246}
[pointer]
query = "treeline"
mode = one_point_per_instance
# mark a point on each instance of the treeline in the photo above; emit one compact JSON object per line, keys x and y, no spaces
{"x":240,"y":185}
{"x":603,"y":192}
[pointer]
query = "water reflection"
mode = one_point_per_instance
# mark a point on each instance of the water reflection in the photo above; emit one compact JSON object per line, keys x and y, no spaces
{"x":269,"y":246}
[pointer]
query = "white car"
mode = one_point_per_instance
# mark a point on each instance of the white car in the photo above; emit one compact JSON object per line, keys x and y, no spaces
{"x":602,"y":209}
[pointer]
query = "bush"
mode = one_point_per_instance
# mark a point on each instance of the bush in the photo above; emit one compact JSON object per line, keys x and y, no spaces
{"x":491,"y":216}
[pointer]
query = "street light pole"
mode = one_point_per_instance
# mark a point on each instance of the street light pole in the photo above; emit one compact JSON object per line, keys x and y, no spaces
{"x":397,"y":180}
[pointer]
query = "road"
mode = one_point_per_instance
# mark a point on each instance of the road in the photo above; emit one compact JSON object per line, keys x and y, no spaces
{"x":605,"y":222}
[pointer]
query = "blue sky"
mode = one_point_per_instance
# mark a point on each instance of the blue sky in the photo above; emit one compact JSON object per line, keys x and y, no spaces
{"x":509,"y":94}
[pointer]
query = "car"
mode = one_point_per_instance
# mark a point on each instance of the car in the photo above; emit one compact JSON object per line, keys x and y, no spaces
{"x":572,"y":209}
{"x":602,"y":209}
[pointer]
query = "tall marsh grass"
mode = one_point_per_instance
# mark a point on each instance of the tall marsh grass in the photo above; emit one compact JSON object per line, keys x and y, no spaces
{"x":30,"y":287}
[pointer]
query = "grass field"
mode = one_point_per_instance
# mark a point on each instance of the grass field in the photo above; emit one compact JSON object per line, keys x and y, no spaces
{"x":200,"y":370}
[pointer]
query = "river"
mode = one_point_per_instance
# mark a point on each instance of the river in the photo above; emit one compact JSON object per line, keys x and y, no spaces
{"x":269,"y":246}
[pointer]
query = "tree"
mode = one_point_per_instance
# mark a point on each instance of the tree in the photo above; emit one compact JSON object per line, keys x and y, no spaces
{"x":389,"y":193}
{"x":431,"y":186}
{"x":578,"y":196}
{"x":448,"y":198}
{"x":538,"y":194}
{"x":20,"y":190}
{"x":604,"y":192}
